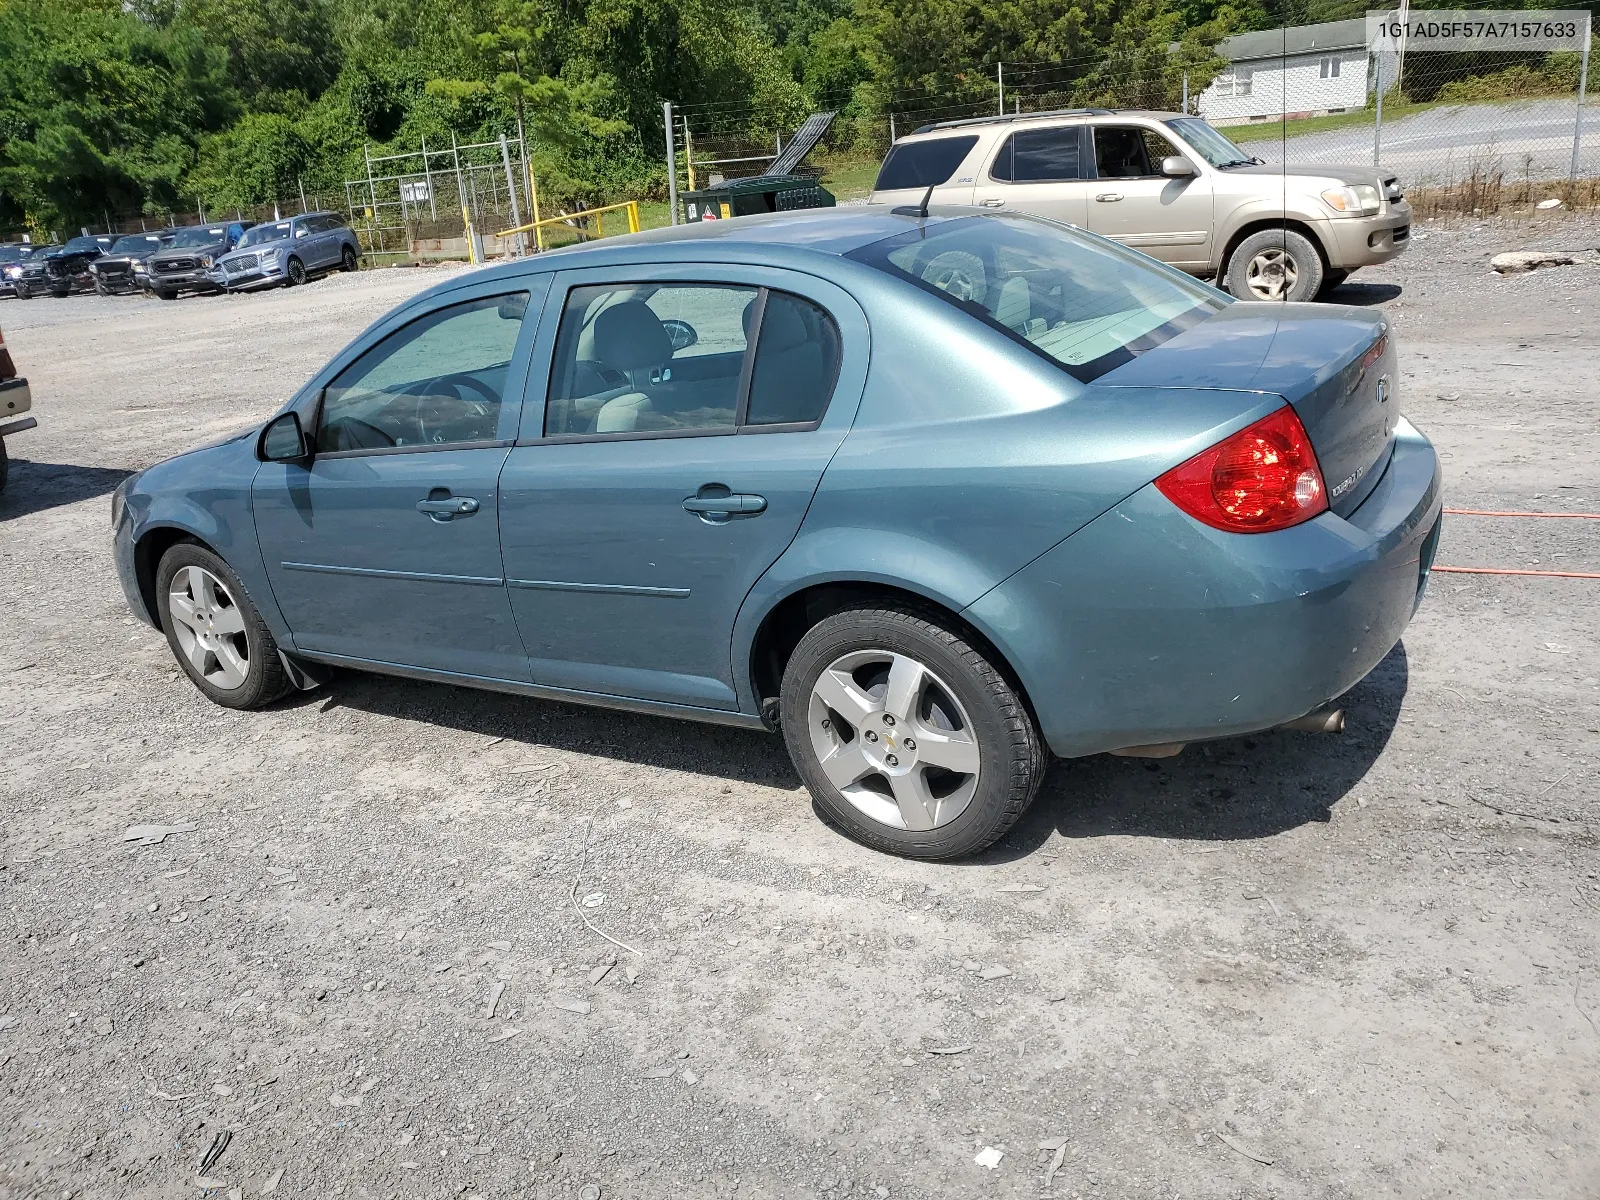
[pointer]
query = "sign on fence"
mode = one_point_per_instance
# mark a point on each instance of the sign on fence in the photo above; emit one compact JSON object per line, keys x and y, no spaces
{"x":1479,"y":29}
{"x":416,"y":191}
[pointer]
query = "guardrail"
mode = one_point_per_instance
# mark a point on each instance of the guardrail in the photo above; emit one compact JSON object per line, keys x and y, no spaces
{"x":598,"y":215}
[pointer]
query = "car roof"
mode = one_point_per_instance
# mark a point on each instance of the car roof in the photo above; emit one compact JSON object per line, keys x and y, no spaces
{"x":1055,"y":114}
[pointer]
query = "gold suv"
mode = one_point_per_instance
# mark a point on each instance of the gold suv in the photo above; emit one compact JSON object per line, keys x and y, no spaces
{"x":1167,"y":184}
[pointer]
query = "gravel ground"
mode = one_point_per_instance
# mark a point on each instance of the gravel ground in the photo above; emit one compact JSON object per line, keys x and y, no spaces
{"x":1288,"y":965}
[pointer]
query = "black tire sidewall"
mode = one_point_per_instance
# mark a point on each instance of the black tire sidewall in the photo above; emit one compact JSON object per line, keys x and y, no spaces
{"x":289,"y":272}
{"x":984,"y":694}
{"x":348,"y":260}
{"x":266,"y":680}
{"x":5,"y":465}
{"x":1296,"y":245}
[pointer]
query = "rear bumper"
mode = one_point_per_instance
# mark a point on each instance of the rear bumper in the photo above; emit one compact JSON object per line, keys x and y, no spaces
{"x":1147,"y":627}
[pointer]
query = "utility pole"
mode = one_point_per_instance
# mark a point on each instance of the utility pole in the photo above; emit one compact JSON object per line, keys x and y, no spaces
{"x":688,"y":152}
{"x":1000,"y":76}
{"x":672,"y":160}
{"x":511,"y":193}
{"x":1583,"y":90}
{"x":1377,"y":125}
{"x":891,"y":129}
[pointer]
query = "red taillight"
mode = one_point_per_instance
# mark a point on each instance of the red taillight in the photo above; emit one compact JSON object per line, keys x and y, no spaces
{"x":1262,"y":478}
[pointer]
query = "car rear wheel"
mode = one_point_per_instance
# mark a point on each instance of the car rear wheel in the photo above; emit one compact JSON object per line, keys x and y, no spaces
{"x":1275,"y":264}
{"x":215,"y":631}
{"x":348,"y":260}
{"x":296,"y":271}
{"x":908,"y":736}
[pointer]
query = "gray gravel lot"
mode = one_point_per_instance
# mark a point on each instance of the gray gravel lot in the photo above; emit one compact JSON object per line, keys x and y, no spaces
{"x":1288,"y":965}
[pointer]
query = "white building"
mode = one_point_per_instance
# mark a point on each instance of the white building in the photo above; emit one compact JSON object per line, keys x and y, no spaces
{"x":1300,"y":71}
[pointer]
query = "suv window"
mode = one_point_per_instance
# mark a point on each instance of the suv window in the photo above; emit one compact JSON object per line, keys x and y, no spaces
{"x":1040,"y":156}
{"x":438,"y":381}
{"x":675,"y":358}
{"x":923,"y":164}
{"x":1130,"y":152}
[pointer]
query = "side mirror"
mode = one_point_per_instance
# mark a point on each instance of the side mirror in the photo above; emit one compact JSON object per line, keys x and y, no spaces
{"x":1177,"y":167}
{"x":283,"y":440}
{"x":681,"y":334}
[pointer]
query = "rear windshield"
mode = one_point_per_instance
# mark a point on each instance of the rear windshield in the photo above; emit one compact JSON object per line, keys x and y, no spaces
{"x":923,"y":164}
{"x":1085,"y":303}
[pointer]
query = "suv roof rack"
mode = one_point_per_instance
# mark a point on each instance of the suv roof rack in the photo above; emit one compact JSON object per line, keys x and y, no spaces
{"x":1009,"y":117}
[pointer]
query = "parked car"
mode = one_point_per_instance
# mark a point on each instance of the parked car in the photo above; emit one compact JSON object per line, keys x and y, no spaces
{"x":67,"y":270}
{"x":185,"y":264}
{"x":26,"y":275}
{"x":289,"y":252}
{"x":126,"y":266}
{"x":1169,"y":185}
{"x":1061,"y":498}
{"x":15,"y":400}
{"x":12,"y":256}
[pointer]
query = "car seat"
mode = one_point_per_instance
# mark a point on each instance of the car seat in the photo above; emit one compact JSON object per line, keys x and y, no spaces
{"x":629,"y":338}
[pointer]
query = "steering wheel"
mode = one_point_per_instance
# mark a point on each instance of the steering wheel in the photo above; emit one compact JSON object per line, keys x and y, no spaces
{"x":425,"y":394}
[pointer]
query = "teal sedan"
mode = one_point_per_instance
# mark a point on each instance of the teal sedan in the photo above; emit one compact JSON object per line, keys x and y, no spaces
{"x":933,"y":494}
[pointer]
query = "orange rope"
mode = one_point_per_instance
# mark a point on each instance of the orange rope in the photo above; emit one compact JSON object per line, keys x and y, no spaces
{"x":1510,"y":571}
{"x":1484,"y":512}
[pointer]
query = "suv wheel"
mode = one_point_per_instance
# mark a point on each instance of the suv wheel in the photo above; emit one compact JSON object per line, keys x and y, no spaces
{"x":1275,"y":264}
{"x":348,"y":260}
{"x":216,"y":633}
{"x":24,"y":292}
{"x":296,"y":271}
{"x":907,"y":736}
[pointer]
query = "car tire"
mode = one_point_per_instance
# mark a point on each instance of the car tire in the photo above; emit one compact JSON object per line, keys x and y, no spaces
{"x":24,"y":292}
{"x":5,"y":465}
{"x":1331,"y":279}
{"x":101,"y":289}
{"x":1275,"y":265}
{"x":295,"y":272}
{"x":215,"y":631}
{"x":348,"y":261}
{"x":872,"y":779}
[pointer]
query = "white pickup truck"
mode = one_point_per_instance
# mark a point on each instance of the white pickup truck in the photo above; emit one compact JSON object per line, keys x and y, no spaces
{"x":15,"y":400}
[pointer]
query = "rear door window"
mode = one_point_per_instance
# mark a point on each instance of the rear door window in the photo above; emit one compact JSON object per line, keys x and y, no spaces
{"x":1040,"y":156}
{"x":923,"y":164}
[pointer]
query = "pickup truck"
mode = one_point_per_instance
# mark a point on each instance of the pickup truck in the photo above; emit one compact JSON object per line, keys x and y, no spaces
{"x":15,"y":400}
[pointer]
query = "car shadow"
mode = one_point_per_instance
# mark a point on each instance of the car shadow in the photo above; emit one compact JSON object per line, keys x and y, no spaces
{"x":726,"y":752}
{"x":1362,"y":294}
{"x":37,"y":486}
{"x":1230,"y":790}
{"x":1237,"y":789}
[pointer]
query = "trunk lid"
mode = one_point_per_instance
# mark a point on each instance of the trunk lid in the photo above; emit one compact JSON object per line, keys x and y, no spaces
{"x":1334,"y":364}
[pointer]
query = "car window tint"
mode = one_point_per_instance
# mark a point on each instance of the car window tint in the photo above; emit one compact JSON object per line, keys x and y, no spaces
{"x":438,"y":381}
{"x":648,"y":358}
{"x":796,"y":363}
{"x":923,"y":164}
{"x":1121,"y":152}
{"x":1039,"y":156}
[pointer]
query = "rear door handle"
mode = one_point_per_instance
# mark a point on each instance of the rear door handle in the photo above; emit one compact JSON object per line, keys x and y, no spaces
{"x":1108,"y":197}
{"x":714,"y":505}
{"x":993,"y":203}
{"x":449,"y":508}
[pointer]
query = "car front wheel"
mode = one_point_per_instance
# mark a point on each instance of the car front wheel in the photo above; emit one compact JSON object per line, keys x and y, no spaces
{"x":215,"y":631}
{"x":907,"y":735}
{"x":296,"y":271}
{"x":1275,"y":264}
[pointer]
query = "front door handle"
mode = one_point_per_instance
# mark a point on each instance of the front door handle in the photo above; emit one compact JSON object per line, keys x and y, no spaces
{"x":1109,"y":197}
{"x":993,"y":203}
{"x":447,"y":508}
{"x":715,"y":504}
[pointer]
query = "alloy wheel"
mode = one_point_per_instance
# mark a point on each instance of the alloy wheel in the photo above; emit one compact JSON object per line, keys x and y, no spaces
{"x":891,"y":736}
{"x":210,"y":628}
{"x":1271,"y":275}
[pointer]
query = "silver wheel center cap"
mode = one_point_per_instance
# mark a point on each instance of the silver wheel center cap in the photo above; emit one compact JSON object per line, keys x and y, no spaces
{"x":886,"y":747}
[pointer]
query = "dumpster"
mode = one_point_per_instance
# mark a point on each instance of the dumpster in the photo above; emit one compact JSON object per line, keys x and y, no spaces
{"x":757,"y":194}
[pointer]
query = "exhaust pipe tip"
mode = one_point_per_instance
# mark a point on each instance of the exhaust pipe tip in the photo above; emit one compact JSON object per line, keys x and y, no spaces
{"x":1328,"y":720}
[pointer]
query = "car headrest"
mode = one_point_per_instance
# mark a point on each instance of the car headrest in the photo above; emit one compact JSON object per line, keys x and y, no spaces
{"x":783,"y":325}
{"x":628,"y":336}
